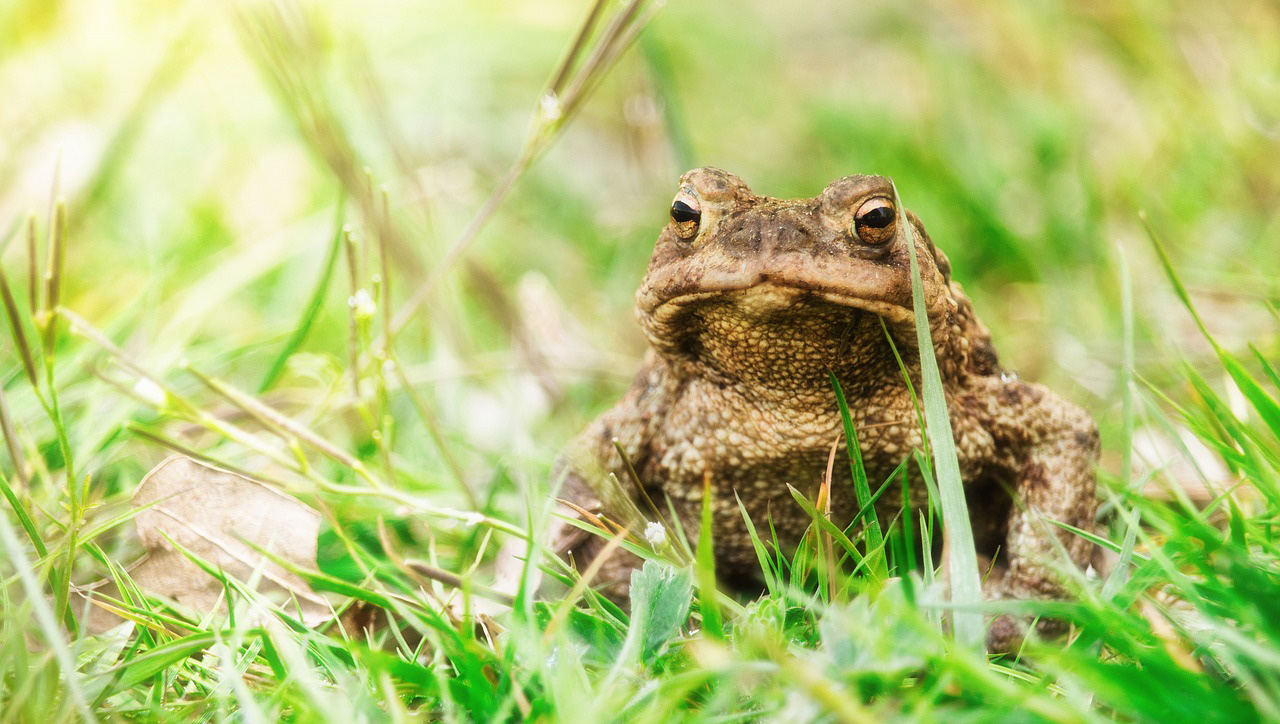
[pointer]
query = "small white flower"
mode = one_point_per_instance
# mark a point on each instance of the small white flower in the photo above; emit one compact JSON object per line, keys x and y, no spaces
{"x":362,"y":303}
{"x":655,"y":534}
{"x":151,"y":392}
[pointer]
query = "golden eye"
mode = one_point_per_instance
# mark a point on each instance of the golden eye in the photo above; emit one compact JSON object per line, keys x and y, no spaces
{"x":686,"y":212}
{"x":875,"y":221}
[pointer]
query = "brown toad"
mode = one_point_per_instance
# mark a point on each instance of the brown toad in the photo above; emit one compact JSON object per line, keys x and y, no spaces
{"x":747,"y":303}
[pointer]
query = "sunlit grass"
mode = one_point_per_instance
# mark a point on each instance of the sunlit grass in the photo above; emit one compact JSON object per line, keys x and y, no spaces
{"x":311,"y":244}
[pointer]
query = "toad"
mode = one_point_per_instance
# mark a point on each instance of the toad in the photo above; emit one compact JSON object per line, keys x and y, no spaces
{"x":749,"y":304}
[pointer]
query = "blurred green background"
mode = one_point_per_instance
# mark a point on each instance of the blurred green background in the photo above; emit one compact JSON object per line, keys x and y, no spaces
{"x":203,"y":147}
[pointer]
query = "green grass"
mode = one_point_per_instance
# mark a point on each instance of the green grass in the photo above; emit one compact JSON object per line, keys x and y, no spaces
{"x":312,"y":244}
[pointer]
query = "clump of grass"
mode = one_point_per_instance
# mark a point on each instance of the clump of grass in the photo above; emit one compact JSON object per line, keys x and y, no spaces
{"x":1193,"y":614}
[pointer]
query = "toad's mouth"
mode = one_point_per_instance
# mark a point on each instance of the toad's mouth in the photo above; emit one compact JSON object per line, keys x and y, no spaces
{"x":772,"y":335}
{"x":766,"y":299}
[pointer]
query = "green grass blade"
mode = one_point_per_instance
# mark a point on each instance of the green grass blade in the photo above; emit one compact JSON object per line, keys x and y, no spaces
{"x":966,"y":588}
{"x":875,"y":537}
{"x":870,"y":506}
{"x":1102,"y":541}
{"x":826,"y":525}
{"x":1272,"y":373}
{"x":1120,"y":573}
{"x":314,"y":305}
{"x":146,"y":665}
{"x":664,"y":74}
{"x":1264,"y":404}
{"x":46,"y":618}
{"x":767,"y":567}
{"x":907,"y":550}
{"x":708,"y":595}
{"x":28,"y":526}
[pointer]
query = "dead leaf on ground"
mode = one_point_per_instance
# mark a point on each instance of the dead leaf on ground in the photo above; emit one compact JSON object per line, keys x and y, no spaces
{"x":224,"y":519}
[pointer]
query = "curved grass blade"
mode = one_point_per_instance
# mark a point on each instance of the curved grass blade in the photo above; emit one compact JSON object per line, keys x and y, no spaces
{"x":312,"y":309}
{"x":46,"y":618}
{"x":1263,"y":403}
{"x":966,"y":589}
{"x":875,"y":538}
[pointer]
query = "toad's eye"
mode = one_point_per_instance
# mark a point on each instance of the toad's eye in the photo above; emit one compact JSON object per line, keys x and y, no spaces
{"x":874,"y":222}
{"x":686,"y":212}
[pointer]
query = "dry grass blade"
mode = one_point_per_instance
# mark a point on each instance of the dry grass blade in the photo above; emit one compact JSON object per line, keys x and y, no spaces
{"x":351,"y":246}
{"x":284,"y":425}
{"x":177,"y":404}
{"x":33,"y":263}
{"x":190,"y":452}
{"x":453,"y":580}
{"x":580,"y":586}
{"x":575,"y":50}
{"x":283,"y":39}
{"x":83,"y":327}
{"x":15,"y":329}
{"x":824,"y":505}
{"x":431,"y":421}
{"x":553,"y":113}
{"x":636,"y":481}
{"x":603,"y":524}
{"x":20,"y":470}
{"x":614,"y":41}
{"x":47,"y":317}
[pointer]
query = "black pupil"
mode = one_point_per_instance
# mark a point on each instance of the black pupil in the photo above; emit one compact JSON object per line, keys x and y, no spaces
{"x":877,"y":218}
{"x":682,"y":212}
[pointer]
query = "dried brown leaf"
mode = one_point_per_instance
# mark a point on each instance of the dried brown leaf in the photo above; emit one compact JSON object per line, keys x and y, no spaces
{"x":226,"y":520}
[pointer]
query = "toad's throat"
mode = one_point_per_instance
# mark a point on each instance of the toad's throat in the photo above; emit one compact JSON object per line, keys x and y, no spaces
{"x":771,"y":337}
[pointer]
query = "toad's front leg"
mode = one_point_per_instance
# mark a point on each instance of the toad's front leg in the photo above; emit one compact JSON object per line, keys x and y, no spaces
{"x":595,"y":479}
{"x":1054,"y":447}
